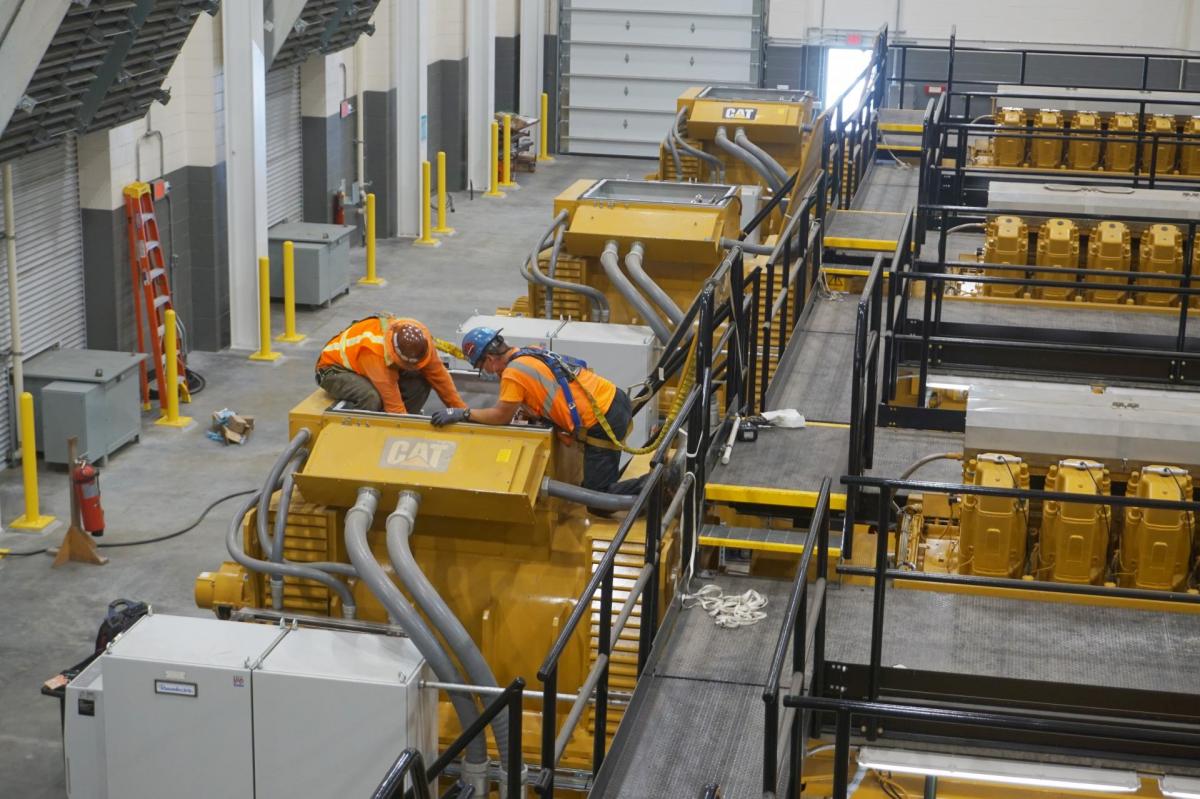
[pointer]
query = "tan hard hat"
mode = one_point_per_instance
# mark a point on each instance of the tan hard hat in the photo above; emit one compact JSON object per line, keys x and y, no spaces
{"x":410,"y":343}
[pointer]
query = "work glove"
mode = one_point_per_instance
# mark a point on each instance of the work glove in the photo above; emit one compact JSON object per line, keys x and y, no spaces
{"x":446,"y":416}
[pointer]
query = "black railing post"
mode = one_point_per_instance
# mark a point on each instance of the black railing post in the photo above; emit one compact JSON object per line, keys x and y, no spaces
{"x":735,"y":356}
{"x":516,"y":698}
{"x":770,"y":744}
{"x":1185,"y":301}
{"x":754,"y":402}
{"x":654,"y":533}
{"x":926,"y":324}
{"x":549,"y":728}
{"x":877,"y":611}
{"x":600,"y":725}
{"x":767,"y":332}
{"x":841,"y":754}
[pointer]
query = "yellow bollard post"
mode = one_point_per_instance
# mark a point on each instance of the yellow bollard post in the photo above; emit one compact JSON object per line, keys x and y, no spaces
{"x":289,"y":333}
{"x":32,"y":519}
{"x":494,"y":163}
{"x":506,"y":180}
{"x":543,"y":134}
{"x":442,"y":228}
{"x":427,"y":239}
{"x":170,"y":403}
{"x":372,"y":279}
{"x":264,"y":313}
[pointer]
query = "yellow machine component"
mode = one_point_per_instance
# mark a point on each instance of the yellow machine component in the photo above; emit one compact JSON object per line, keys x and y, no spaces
{"x":774,"y":119}
{"x":680,"y":226}
{"x":1010,"y":150}
{"x":508,"y":561}
{"x":1083,"y":153}
{"x":1108,"y":248}
{"x":992,"y":530}
{"x":1007,"y":242}
{"x":1160,"y":252}
{"x":1156,"y":544}
{"x":1075,"y":535}
{"x":1164,"y":162}
{"x":1189,"y":154}
{"x":1047,"y":153}
{"x":1057,"y":245}
{"x":1120,"y":147}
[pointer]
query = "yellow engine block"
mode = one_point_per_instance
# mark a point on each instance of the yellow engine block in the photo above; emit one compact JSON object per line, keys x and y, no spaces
{"x":1007,"y":242}
{"x":1075,"y":535}
{"x":1084,"y":153}
{"x":509,"y":562}
{"x":1156,"y":544}
{"x":1189,"y":154}
{"x":1047,"y":153}
{"x":1162,"y":155}
{"x":1010,"y":150}
{"x":1120,"y":146}
{"x":1160,"y":252}
{"x":992,"y":530}
{"x":1109,"y":249}
{"x":1057,"y":245}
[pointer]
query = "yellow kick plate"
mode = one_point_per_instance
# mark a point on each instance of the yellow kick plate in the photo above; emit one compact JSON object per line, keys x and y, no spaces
{"x":758,"y":495}
{"x":901,"y":127}
{"x":465,"y":471}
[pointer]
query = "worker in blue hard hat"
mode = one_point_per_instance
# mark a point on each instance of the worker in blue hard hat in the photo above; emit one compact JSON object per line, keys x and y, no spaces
{"x":556,"y":389}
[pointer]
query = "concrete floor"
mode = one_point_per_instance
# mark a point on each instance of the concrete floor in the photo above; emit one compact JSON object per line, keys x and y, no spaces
{"x":48,"y":618}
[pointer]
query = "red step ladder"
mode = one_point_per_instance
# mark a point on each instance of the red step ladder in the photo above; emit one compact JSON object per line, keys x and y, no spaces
{"x":151,"y":289}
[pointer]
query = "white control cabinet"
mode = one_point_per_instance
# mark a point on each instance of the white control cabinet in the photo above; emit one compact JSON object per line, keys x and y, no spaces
{"x":197,"y":707}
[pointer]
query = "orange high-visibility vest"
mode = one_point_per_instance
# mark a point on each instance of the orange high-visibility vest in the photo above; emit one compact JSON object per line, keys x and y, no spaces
{"x":532,"y":383}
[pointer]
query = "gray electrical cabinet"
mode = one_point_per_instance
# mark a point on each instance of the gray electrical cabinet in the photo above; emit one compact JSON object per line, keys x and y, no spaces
{"x":322,"y":255}
{"x":83,"y":735}
{"x":93,"y":395}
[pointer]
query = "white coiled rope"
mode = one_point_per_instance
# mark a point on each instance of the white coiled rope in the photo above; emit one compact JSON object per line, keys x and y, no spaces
{"x":728,"y":610}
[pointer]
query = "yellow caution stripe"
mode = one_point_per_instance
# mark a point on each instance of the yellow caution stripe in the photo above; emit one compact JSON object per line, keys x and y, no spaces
{"x":759,"y":495}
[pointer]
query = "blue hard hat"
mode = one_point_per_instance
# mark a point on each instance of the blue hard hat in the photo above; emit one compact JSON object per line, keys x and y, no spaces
{"x":476,"y":342}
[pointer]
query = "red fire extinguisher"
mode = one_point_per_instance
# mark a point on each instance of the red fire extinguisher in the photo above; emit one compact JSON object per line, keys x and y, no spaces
{"x":86,"y":481}
{"x":339,"y":208}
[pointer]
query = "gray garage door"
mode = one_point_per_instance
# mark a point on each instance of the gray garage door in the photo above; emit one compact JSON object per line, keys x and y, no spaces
{"x":624,"y":63}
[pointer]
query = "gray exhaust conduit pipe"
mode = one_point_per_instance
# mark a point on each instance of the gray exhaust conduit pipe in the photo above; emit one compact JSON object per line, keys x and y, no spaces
{"x":358,"y":521}
{"x":399,"y":529}
{"x":264,"y":497}
{"x":714,"y":162}
{"x":585,"y":496}
{"x":233,"y":544}
{"x":531,"y":272}
{"x":655,"y":292}
{"x":742,"y":140}
{"x":612,"y":268}
{"x":550,"y":267}
{"x":722,"y":141}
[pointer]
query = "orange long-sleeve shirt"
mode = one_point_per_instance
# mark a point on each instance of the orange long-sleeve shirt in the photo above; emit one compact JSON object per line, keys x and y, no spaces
{"x":366,"y":348}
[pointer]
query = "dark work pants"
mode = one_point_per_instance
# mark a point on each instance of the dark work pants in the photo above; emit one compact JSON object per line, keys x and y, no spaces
{"x":359,"y":393}
{"x":601,"y":466}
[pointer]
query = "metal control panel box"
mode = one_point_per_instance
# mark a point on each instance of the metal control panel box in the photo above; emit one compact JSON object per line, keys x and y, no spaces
{"x":197,"y":707}
{"x":96,"y":397}
{"x":83,"y":735}
{"x":178,"y":719}
{"x":322,"y":260}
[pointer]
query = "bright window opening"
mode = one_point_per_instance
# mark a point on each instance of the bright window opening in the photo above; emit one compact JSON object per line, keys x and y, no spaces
{"x":843,"y":66}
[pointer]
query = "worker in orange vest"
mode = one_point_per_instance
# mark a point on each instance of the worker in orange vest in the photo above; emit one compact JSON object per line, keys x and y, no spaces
{"x":534,"y":379}
{"x":384,"y":363}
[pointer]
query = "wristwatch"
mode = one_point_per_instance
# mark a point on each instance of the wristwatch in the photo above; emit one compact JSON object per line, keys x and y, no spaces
{"x":467,"y":415}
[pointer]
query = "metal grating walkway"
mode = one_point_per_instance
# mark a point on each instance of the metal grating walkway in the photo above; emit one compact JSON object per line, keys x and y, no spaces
{"x":697,"y":715}
{"x":999,"y":637}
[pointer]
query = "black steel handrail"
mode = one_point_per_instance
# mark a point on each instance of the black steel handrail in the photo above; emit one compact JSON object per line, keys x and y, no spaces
{"x":411,"y":764}
{"x":845,"y":711}
{"x":797,"y":631}
{"x":900,"y":59}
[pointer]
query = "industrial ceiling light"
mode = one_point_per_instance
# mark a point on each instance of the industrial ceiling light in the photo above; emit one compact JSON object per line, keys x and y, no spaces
{"x":1180,"y":787}
{"x":1005,"y":772}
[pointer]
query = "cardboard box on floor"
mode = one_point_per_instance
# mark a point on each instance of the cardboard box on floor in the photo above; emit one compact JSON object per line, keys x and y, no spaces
{"x":233,"y":430}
